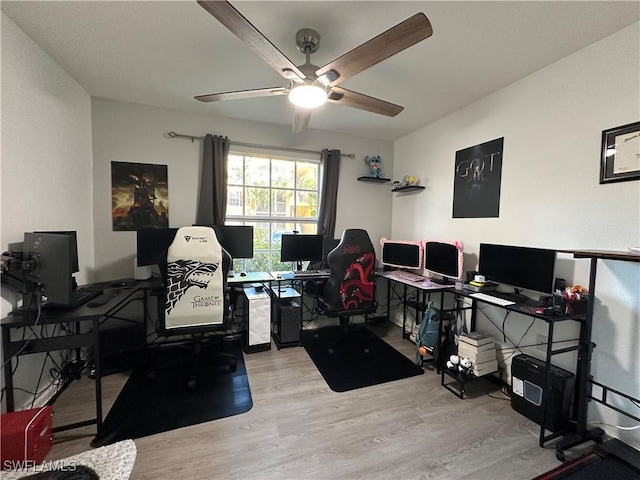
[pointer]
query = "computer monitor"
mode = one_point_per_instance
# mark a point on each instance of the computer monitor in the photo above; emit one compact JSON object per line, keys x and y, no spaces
{"x":237,"y":240}
{"x":75,"y":264}
{"x":327,"y":245}
{"x":152,"y":244}
{"x":521,"y":267}
{"x":51,"y":271}
{"x":301,"y":248}
{"x":443,"y":260}
{"x":404,"y":254}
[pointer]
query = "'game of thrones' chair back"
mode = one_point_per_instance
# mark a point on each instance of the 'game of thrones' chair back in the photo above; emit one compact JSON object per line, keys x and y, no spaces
{"x":350,"y":289}
{"x":196,"y":297}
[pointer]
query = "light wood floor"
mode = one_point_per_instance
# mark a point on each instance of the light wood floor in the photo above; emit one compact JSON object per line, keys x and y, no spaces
{"x":298,"y":428}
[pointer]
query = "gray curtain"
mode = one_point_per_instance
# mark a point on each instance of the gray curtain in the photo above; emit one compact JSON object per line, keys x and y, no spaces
{"x":329,"y":193}
{"x":212,"y":204}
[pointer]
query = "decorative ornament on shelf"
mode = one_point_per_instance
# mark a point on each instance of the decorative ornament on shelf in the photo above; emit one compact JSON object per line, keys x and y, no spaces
{"x":409,"y":180}
{"x":396,"y":184}
{"x":375,"y":165}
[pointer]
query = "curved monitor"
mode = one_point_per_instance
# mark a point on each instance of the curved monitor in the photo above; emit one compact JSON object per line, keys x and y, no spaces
{"x":405,"y":254}
{"x":443,"y":259}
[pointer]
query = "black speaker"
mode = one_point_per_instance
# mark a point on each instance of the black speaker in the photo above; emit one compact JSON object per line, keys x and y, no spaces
{"x":528,"y":396}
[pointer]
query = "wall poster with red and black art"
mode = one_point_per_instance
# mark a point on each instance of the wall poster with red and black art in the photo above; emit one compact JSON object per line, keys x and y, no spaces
{"x":139,"y":196}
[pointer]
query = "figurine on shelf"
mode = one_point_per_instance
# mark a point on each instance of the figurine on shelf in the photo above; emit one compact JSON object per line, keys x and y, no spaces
{"x":409,"y":180}
{"x":396,"y":184}
{"x":375,"y":166}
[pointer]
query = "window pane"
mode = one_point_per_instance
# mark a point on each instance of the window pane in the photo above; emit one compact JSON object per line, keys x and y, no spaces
{"x":307,"y":176}
{"x":235,"y":201}
{"x":257,"y":202}
{"x":307,"y":205}
{"x":283,"y":172}
{"x":282,"y":203}
{"x":235,"y":170}
{"x":257,"y":171}
{"x":259,"y":263}
{"x":307,"y":228}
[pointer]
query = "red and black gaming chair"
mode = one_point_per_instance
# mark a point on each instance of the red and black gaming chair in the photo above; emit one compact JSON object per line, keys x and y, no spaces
{"x":350,"y":289}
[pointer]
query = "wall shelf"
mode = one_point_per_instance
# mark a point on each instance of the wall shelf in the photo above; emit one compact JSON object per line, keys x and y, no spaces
{"x":408,"y":188}
{"x":374,"y":179}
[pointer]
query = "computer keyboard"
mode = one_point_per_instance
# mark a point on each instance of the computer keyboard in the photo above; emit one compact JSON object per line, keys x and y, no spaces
{"x":83,"y":294}
{"x":412,"y":277}
{"x":491,"y":299}
{"x":309,"y":273}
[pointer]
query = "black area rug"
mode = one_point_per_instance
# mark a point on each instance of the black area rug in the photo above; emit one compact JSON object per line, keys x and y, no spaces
{"x":158,"y":400}
{"x":355,"y":359}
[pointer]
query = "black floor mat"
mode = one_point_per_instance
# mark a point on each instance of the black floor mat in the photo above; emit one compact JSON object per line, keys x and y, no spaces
{"x":355,"y":359}
{"x":159,"y":401}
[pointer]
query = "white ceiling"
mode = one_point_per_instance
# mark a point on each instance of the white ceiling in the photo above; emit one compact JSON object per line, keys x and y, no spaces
{"x":163,"y":53}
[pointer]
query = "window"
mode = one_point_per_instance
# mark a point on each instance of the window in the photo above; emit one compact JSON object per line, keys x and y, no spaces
{"x":275,"y":195}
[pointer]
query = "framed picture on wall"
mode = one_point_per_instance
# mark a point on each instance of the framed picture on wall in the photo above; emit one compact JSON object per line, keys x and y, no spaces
{"x":139,"y":196}
{"x":477,"y":180}
{"x":620,"y":154}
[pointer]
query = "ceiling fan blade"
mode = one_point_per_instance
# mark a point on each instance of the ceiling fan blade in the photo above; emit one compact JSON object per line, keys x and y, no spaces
{"x":394,"y":40}
{"x":226,"y":14}
{"x":349,"y":98}
{"x":301,"y":119}
{"x":258,"y":92}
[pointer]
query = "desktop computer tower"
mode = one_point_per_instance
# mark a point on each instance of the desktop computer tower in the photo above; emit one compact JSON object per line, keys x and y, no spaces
{"x":528,"y":396}
{"x":286,"y":321}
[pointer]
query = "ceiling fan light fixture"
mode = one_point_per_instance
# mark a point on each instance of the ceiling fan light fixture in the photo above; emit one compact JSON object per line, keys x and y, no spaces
{"x":307,"y":96}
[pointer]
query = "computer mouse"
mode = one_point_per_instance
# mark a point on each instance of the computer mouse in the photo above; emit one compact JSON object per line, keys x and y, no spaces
{"x":118,"y":284}
{"x":243,"y":274}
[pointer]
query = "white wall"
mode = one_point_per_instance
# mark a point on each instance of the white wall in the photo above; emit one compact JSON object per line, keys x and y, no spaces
{"x":127,"y":132}
{"x":46,"y":158}
{"x":551,"y":122}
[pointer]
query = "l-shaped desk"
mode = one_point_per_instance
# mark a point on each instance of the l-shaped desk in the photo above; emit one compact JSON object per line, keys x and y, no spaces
{"x":72,"y":329}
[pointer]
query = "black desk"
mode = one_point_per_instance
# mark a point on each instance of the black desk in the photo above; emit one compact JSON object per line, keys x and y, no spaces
{"x":73,"y":338}
{"x":583,"y":347}
{"x":288,"y":306}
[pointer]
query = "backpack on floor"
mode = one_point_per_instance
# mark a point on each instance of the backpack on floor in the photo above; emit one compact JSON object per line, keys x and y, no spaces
{"x":429,"y":332}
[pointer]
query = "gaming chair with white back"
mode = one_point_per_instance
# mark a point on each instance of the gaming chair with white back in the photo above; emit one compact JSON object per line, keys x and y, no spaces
{"x":195,"y":299}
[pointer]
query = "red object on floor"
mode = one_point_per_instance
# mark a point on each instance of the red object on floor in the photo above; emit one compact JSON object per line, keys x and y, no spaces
{"x":25,"y":436}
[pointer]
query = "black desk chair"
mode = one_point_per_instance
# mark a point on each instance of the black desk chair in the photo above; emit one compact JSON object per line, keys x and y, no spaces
{"x":195,"y":298}
{"x":350,"y":289}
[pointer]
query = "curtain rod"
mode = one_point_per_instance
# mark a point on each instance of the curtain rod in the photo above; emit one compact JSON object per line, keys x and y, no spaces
{"x":254,"y":145}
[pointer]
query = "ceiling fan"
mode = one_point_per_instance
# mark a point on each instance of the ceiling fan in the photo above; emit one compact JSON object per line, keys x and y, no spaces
{"x":310,"y":86}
